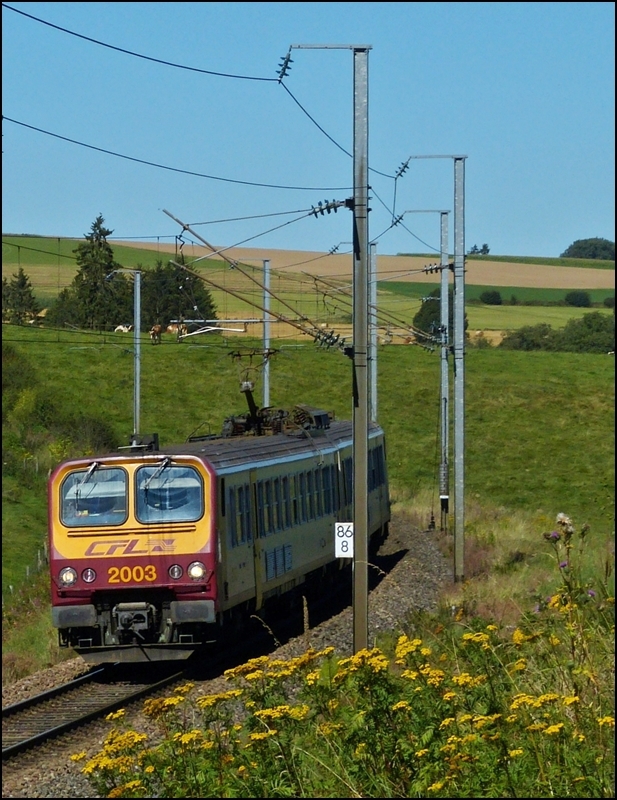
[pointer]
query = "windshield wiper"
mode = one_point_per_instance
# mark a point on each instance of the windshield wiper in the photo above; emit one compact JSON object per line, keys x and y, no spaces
{"x":163,"y":465}
{"x":93,"y":466}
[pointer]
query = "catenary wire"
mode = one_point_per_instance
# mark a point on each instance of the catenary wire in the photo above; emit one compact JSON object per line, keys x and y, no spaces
{"x":176,"y":169}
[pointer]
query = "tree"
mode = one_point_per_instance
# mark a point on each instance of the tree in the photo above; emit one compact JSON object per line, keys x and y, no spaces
{"x":428,"y":317}
{"x":93,"y":300}
{"x":491,"y":297}
{"x":591,"y":248}
{"x":170,"y":292}
{"x":578,"y":299}
{"x":18,"y":302}
{"x":479,"y":251}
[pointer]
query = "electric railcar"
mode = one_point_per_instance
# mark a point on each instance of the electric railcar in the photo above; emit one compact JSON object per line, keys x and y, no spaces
{"x":157,"y":552}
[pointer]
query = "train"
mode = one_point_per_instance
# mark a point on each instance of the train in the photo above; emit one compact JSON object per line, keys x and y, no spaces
{"x":157,"y":552}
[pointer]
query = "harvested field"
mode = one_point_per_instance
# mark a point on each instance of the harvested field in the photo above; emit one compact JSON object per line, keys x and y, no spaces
{"x":409,"y":268}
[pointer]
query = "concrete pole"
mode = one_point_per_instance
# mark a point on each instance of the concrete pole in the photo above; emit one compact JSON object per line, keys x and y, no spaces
{"x":444,"y":477}
{"x":372,"y":352}
{"x":360,"y":347}
{"x":137,"y":348}
{"x":266,"y":394}
{"x":459,"y":368}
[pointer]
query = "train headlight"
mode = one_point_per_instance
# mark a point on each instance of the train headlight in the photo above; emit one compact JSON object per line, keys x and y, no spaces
{"x":175,"y":571}
{"x":88,"y":575}
{"x":67,"y":576}
{"x":196,"y":571}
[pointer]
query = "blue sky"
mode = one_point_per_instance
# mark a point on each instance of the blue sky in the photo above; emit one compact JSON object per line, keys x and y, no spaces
{"x":524,"y":90}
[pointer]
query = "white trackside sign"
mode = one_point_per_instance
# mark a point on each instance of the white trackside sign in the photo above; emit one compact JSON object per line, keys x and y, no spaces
{"x":343,"y":539}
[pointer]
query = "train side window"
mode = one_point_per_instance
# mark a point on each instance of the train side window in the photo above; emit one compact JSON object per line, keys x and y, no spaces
{"x":319,"y":492}
{"x":294,"y":499}
{"x":244,"y":509}
{"x":303,"y":516}
{"x":287,"y":518}
{"x":232,"y":522}
{"x":278,"y":505}
{"x":94,"y":496}
{"x":269,"y":508}
{"x":326,"y":480}
{"x":310,"y":491}
{"x":379,"y":466}
{"x":261,"y":526}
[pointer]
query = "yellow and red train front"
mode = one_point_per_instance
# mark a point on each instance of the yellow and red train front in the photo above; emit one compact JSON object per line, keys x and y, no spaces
{"x":131,"y":530}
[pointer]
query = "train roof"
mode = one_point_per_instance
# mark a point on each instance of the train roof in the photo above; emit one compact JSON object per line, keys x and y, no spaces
{"x":229,"y":453}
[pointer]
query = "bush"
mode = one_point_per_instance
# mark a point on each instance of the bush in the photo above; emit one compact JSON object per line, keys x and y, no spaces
{"x":609,"y":302}
{"x":594,"y":333}
{"x":578,"y":299}
{"x":530,"y":337}
{"x":491,"y":298}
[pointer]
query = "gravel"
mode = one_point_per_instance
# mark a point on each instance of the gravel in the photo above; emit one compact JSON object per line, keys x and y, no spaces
{"x":414,"y":583}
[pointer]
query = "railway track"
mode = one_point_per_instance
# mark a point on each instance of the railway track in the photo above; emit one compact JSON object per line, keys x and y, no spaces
{"x":91,"y":696}
{"x":105,"y":689}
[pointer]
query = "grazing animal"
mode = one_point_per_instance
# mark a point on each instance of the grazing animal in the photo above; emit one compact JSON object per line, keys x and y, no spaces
{"x":123,"y":329}
{"x":178,"y":329}
{"x":155,"y":334}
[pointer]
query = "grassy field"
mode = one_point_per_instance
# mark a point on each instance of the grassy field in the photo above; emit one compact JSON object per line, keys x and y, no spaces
{"x":50,"y":264}
{"x":539,"y":425}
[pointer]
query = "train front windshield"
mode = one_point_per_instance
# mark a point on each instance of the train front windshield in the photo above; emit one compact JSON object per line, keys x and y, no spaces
{"x":94,"y":496}
{"x":168,"y":493}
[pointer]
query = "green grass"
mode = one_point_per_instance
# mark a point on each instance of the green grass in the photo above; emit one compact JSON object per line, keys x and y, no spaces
{"x":523,"y":294}
{"x":500,"y":318}
{"x":539,"y":426}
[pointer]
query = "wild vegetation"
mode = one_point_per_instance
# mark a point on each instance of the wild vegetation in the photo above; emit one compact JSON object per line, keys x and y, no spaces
{"x":454,"y":705}
{"x":510,"y":694}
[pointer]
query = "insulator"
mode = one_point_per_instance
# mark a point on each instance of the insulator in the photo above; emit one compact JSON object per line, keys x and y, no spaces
{"x":443,"y":479}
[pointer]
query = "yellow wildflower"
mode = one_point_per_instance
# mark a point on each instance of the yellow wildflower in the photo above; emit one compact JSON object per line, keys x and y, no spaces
{"x":420,"y":753}
{"x":606,"y":721}
{"x":569,"y":699}
{"x":115,"y":714}
{"x":518,"y":637}
{"x":257,"y":737}
{"x":185,"y":689}
{"x":514,"y":753}
{"x":435,"y":787}
{"x":553,"y":729}
{"x":149,"y":769}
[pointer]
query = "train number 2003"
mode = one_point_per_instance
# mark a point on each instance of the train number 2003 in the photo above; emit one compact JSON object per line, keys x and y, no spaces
{"x":135,"y":574}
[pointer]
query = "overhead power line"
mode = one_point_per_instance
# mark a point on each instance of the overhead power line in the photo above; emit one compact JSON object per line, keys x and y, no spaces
{"x":176,"y":169}
{"x":139,"y":55}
